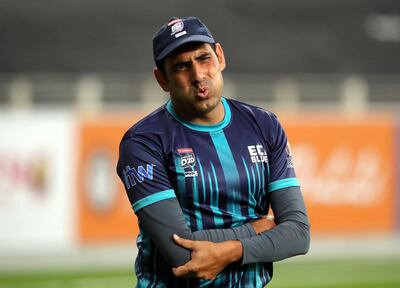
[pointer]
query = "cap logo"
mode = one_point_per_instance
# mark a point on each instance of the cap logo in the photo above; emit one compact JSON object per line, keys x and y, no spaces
{"x":177,"y":26}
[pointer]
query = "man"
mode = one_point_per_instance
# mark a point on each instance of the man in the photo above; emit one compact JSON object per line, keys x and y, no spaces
{"x":202,"y":170}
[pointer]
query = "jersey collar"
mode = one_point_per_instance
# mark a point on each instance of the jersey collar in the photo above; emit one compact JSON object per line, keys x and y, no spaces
{"x":204,"y":128}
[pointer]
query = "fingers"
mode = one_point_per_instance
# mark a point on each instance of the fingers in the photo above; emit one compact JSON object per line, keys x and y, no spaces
{"x":263,"y":224}
{"x":270,"y":217}
{"x":181,"y":271}
{"x":189,"y":244}
{"x":186,"y":271}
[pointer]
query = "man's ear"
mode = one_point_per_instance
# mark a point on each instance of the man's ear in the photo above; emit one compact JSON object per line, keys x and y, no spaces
{"x":161,"y":79}
{"x":220,"y":55}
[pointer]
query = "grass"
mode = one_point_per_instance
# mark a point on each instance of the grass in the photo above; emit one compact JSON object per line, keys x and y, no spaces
{"x":73,"y":279}
{"x":366,"y":273}
{"x":362,"y":273}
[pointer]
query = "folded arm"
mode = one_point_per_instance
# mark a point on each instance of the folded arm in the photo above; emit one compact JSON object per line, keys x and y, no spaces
{"x":163,"y":219}
{"x":290,"y":237}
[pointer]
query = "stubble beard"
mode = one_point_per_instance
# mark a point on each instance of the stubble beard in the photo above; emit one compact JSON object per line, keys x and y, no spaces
{"x":213,"y":101}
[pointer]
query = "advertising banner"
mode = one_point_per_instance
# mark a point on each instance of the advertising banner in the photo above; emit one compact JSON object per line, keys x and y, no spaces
{"x":36,"y":160}
{"x":104,"y":210}
{"x":346,"y":170}
{"x":58,"y":181}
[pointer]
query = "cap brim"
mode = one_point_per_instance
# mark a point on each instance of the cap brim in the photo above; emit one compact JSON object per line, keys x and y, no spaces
{"x":176,"y":44}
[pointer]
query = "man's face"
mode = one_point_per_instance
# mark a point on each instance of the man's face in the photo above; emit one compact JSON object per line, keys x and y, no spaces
{"x":193,"y":77}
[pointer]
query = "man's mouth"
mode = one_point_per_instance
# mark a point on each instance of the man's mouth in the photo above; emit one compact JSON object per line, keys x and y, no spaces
{"x":202,"y":92}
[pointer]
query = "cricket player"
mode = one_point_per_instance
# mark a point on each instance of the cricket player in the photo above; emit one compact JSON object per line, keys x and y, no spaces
{"x":202,"y":171}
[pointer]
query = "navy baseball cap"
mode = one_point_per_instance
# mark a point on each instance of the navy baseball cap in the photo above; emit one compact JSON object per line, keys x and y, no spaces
{"x":176,"y":32}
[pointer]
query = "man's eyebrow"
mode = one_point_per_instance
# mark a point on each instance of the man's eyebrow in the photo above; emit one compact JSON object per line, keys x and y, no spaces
{"x":186,"y":62}
{"x":205,"y":53}
{"x":180,"y":62}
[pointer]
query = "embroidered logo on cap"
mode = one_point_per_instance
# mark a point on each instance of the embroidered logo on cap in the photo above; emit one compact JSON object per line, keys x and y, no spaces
{"x":177,"y":27}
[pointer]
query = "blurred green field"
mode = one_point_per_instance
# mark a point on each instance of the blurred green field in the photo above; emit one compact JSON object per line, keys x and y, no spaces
{"x":364,"y":273}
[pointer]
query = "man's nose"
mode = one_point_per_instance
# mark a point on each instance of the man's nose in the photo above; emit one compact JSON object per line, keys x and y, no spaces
{"x":198,"y":73}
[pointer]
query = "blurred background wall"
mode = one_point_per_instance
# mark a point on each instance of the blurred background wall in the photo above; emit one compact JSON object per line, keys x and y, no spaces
{"x":74,"y":75}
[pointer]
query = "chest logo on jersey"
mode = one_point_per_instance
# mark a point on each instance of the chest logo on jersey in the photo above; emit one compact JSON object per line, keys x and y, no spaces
{"x":257,"y":154}
{"x":187,"y":161}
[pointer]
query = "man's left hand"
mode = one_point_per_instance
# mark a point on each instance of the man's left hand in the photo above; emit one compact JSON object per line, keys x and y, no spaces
{"x":208,"y":258}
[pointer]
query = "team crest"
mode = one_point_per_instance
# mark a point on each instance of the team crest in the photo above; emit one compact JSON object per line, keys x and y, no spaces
{"x":187,"y":161}
{"x":177,"y":28}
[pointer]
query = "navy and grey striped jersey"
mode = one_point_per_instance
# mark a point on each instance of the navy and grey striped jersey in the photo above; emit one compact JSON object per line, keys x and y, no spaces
{"x":220,"y":174}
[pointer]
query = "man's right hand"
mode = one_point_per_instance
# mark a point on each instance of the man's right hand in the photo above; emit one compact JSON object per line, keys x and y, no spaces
{"x":208,"y":258}
{"x":263,"y":224}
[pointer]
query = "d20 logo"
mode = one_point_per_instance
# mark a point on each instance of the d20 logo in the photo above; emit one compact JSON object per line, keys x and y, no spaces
{"x":187,"y":161}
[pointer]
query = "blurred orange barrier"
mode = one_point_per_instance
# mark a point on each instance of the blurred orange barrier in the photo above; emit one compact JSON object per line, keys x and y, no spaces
{"x":346,"y":170}
{"x":397,"y":175}
{"x":104,"y":210}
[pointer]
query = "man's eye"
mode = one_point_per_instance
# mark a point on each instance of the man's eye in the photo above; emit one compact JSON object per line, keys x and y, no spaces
{"x":204,"y":58}
{"x":180,"y":67}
